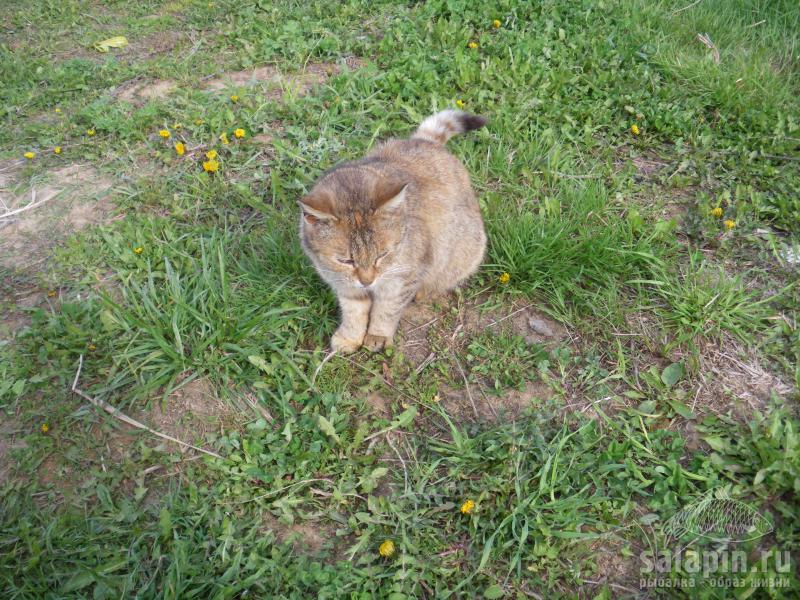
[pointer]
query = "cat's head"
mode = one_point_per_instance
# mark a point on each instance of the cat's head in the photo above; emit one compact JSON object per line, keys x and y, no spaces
{"x":353,"y":222}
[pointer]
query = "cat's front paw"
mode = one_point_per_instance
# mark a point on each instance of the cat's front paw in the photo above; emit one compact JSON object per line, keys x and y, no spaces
{"x":376,"y":343}
{"x":343,"y":345}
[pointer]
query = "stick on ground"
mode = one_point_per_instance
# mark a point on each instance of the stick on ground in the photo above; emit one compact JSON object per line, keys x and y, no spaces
{"x":115,"y":412}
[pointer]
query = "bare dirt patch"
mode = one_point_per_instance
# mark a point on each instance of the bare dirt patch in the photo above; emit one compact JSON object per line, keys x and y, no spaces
{"x":474,"y":404}
{"x":153,"y":44}
{"x":190,"y":413}
{"x":9,"y":440}
{"x":276,"y":83}
{"x":307,"y":536}
{"x":425,"y":328}
{"x":379,"y":405}
{"x":17,"y":298}
{"x":62,"y":202}
{"x":138,"y":92}
{"x":733,"y":377}
{"x":440,"y":331}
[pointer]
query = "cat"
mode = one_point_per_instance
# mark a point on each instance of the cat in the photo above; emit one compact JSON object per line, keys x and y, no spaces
{"x":400,"y":224}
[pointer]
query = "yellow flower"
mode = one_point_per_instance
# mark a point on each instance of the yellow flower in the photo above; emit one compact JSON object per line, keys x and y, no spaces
{"x":234,"y":98}
{"x":56,"y":109}
{"x":472,"y":45}
{"x":239,"y":133}
{"x":177,"y":125}
{"x":45,"y":427}
{"x":198,"y":121}
{"x":716,"y":211}
{"x":52,"y":294}
{"x":635,"y":129}
{"x":211,"y":154}
{"x":163,"y":133}
{"x":386,"y":549}
{"x":180,"y":149}
{"x":460,"y":103}
{"x":224,"y":139}
{"x":504,"y":278}
{"x":30,"y":155}
{"x":211,"y":166}
{"x":496,"y":23}
{"x":467,"y":507}
{"x":138,"y":250}
{"x":729,"y":223}
{"x":57,"y":149}
{"x":92,"y":347}
{"x":90,"y":132}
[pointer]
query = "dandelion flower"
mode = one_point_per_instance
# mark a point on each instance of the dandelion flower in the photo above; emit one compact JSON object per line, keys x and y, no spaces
{"x":164,"y":133}
{"x":467,"y":507}
{"x":211,"y":154}
{"x":180,"y":149}
{"x":239,"y":133}
{"x":57,"y":109}
{"x":211,"y":166}
{"x":45,"y":427}
{"x":234,"y":98}
{"x":57,"y":149}
{"x":716,"y":211}
{"x":30,"y":155}
{"x":472,"y":45}
{"x":52,"y":294}
{"x":224,"y":139}
{"x":635,"y":129}
{"x":386,"y":549}
{"x":460,"y":103}
{"x":177,"y":125}
{"x":90,"y":132}
{"x":198,"y":121}
{"x":138,"y":250}
{"x":729,"y":223}
{"x":504,"y":278}
{"x":496,"y":23}
{"x":92,"y":347}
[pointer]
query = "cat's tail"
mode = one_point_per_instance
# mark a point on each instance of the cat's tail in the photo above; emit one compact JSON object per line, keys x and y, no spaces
{"x":443,"y":125}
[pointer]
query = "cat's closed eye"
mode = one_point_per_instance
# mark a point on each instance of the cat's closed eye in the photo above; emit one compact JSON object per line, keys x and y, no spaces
{"x":346,"y":261}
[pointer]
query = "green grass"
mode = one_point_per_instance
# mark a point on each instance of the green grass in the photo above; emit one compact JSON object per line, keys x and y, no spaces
{"x":608,"y":232}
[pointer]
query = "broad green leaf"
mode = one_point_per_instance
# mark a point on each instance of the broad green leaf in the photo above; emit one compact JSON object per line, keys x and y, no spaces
{"x":681,"y":409}
{"x":716,"y":443}
{"x":405,"y":418}
{"x":672,"y":374}
{"x":493,"y":592}
{"x":327,"y":428}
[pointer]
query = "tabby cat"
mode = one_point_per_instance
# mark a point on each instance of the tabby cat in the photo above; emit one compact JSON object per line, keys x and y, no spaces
{"x":398,"y":225}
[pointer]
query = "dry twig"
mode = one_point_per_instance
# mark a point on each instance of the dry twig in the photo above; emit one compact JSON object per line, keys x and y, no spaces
{"x":115,"y":412}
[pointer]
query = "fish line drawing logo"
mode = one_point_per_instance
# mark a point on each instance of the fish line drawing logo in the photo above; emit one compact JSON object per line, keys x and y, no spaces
{"x":717,"y":517}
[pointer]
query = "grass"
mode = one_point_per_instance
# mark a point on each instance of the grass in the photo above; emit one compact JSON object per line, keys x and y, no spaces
{"x":671,"y":370}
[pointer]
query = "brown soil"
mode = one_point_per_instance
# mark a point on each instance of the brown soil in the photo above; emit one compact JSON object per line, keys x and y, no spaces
{"x":10,"y":431}
{"x":474,"y":404}
{"x":190,"y":413}
{"x":307,"y":536}
{"x":138,"y":92}
{"x":71,"y":198}
{"x":276,"y":83}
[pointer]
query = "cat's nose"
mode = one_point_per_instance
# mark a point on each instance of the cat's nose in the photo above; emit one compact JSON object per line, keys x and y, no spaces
{"x":366,"y":276}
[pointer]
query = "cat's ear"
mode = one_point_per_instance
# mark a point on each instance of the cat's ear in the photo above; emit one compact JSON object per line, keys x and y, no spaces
{"x":317,"y":206}
{"x":389,"y":195}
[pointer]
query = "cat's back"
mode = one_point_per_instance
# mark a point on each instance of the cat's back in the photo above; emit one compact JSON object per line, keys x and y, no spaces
{"x":431,"y":165}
